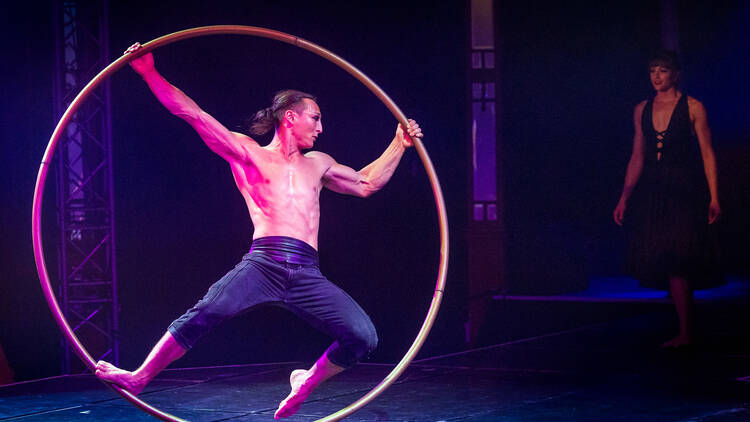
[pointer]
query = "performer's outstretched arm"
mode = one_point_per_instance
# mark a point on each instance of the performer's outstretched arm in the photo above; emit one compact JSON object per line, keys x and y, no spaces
{"x":230,"y":145}
{"x":374,"y":176}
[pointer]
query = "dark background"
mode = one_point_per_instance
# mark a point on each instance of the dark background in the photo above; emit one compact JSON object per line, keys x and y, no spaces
{"x":571,"y":76}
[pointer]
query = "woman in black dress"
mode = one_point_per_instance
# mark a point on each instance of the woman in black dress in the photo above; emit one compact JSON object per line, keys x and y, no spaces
{"x":670,"y":195}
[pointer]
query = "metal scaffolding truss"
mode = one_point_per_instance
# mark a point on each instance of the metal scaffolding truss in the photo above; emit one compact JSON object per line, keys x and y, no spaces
{"x":85,"y":208}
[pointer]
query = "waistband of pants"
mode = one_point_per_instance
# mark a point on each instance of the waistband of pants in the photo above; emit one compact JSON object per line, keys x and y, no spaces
{"x":286,"y":249}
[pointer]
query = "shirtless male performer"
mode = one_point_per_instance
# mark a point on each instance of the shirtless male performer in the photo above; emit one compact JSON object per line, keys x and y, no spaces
{"x":281,"y":187}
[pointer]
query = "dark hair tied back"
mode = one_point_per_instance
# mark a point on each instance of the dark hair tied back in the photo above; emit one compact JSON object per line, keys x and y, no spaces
{"x":268,"y":118}
{"x":262,"y":122}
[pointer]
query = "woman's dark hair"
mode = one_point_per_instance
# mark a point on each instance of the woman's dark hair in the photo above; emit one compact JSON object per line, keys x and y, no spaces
{"x":668,"y":59}
{"x":267,"y":119}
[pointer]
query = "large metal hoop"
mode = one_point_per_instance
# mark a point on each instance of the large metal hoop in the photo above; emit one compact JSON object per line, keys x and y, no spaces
{"x":263,"y":33}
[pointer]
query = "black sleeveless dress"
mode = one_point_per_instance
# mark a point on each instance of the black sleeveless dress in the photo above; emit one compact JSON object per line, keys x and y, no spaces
{"x":667,"y":214}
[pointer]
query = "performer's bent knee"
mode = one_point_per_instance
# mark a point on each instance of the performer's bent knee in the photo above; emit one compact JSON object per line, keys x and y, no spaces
{"x":220,"y":303}
{"x":354,"y":347}
{"x":194,"y":324}
{"x":369,"y":343}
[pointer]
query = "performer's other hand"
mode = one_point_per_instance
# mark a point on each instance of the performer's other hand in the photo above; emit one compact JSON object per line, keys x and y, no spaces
{"x":412,"y":131}
{"x":714,"y":211}
{"x":142,"y":64}
{"x":619,"y":213}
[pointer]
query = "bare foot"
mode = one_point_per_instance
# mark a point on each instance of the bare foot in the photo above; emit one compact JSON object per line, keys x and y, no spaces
{"x":677,"y":342}
{"x":291,"y":404}
{"x":125,"y":379}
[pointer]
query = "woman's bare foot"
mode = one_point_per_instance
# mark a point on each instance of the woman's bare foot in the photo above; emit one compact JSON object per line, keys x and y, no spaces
{"x":125,"y":379}
{"x":291,"y":404}
{"x":677,"y":342}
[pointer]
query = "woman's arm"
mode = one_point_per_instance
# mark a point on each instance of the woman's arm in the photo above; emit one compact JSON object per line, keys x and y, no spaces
{"x":635,"y":165}
{"x":700,"y":124}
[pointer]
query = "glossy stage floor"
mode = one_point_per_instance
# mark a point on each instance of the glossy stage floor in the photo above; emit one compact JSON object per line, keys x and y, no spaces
{"x":542,"y":361}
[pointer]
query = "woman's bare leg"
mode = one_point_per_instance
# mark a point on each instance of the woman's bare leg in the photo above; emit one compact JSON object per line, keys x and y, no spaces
{"x":682,"y":296}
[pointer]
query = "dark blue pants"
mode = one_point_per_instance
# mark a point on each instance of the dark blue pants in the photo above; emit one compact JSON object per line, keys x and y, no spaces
{"x":285,"y":271}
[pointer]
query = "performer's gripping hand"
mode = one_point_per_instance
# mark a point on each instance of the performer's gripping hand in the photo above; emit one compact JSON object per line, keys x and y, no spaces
{"x":142,"y":65}
{"x":412,"y":131}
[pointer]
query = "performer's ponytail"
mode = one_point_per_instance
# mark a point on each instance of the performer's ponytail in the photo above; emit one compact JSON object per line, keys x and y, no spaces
{"x":269,"y":118}
{"x":262,"y":122}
